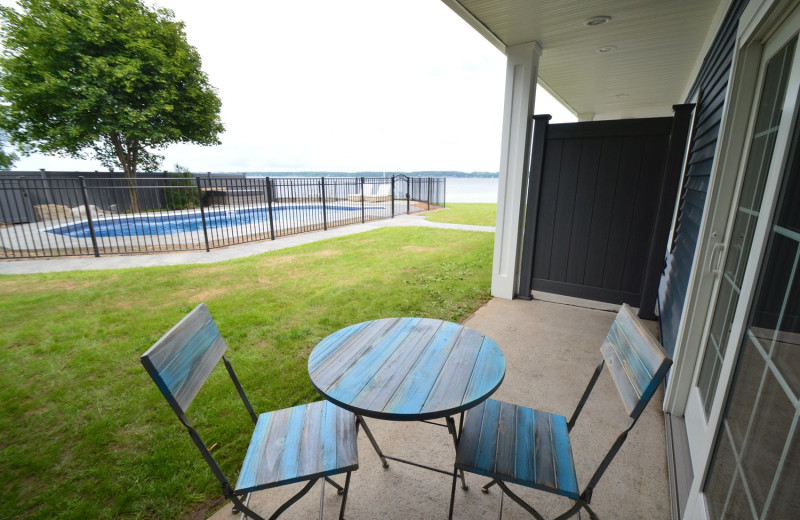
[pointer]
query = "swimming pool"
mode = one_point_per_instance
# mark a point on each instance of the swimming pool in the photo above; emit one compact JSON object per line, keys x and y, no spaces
{"x":161,"y":224}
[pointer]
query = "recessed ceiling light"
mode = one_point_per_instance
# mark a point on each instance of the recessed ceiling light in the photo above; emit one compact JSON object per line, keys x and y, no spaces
{"x":607,"y":48}
{"x":597,"y":20}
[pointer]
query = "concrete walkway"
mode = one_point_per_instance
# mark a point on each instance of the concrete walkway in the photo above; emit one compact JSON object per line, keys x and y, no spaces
{"x":49,"y":265}
{"x":551,"y":350}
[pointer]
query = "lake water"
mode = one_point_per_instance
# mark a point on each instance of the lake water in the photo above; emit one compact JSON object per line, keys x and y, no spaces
{"x":462,"y":189}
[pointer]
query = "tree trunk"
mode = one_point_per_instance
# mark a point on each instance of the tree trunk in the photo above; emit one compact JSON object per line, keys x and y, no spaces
{"x":128,"y":158}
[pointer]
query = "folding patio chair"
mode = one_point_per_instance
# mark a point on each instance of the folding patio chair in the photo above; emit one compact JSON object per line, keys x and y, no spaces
{"x":303,"y":443}
{"x":511,"y":443}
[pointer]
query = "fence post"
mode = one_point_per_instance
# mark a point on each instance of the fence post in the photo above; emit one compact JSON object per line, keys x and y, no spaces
{"x":409,"y":181}
{"x":324,"y":207}
{"x":444,"y":192}
{"x":268,"y":188}
{"x":430,"y":183}
{"x":202,"y":212}
{"x":362,"y":200}
{"x":48,"y":188}
{"x":392,"y":190}
{"x":89,"y":216}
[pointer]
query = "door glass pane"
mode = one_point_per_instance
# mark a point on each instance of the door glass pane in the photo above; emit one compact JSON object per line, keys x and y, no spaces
{"x":720,"y":478}
{"x":786,"y":501}
{"x":773,"y":416}
{"x":745,"y":391}
{"x":776,"y":77}
{"x":754,"y":470}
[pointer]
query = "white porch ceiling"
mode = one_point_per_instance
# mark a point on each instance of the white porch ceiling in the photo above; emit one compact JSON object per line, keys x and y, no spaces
{"x":658,"y":45}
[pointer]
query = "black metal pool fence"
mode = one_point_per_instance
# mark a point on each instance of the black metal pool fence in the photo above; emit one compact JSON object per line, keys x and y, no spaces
{"x":46,"y":214}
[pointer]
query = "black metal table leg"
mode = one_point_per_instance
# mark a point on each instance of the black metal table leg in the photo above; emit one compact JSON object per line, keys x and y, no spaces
{"x":372,"y":441}
{"x":456,"y":434}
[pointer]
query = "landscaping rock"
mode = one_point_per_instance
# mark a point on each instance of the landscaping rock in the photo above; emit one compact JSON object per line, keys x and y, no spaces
{"x":80,"y":211}
{"x":45,"y":212}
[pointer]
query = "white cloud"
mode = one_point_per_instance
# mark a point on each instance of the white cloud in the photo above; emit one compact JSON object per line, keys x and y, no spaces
{"x":342,"y":86}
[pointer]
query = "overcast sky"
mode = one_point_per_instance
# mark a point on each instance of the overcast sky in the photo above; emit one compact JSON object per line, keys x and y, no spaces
{"x":353,"y":85}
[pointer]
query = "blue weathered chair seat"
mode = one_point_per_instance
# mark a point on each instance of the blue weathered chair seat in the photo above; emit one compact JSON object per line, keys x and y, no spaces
{"x":298,"y":444}
{"x":519,"y":445}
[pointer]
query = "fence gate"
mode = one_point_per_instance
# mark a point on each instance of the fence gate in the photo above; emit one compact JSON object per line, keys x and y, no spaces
{"x":599,"y":206}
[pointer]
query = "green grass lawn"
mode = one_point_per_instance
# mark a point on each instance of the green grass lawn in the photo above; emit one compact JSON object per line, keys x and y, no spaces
{"x":477,"y":214}
{"x":85,"y":432}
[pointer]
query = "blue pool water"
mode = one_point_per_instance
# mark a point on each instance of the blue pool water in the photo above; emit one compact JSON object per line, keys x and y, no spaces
{"x":190,"y":222}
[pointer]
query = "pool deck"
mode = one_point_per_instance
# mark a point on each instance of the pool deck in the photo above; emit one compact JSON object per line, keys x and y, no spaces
{"x":90,"y":263}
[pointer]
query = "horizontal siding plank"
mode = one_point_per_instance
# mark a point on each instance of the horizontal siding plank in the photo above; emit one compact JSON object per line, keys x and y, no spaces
{"x":704,"y":153}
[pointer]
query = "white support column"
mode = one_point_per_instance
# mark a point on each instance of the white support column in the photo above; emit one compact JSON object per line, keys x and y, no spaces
{"x":522,"y":70}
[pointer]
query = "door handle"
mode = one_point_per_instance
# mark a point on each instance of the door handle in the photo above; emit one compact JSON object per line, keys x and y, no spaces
{"x":715,"y":259}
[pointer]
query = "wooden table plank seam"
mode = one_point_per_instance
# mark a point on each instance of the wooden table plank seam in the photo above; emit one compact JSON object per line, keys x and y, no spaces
{"x":351,"y":381}
{"x":389,"y":377}
{"x":411,"y":396}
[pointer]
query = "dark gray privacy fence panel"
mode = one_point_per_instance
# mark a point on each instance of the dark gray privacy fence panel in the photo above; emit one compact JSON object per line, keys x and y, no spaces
{"x":593,"y":204}
{"x":710,"y":89}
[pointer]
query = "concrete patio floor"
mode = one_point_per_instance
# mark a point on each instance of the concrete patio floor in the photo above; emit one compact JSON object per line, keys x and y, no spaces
{"x":551,"y":350}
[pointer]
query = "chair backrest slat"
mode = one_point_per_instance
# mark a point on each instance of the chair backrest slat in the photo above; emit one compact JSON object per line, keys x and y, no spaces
{"x":181,"y":361}
{"x":636,"y":361}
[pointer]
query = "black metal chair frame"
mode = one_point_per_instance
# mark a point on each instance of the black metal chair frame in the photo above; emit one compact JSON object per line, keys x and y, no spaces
{"x":241,"y":503}
{"x":240,"y":500}
{"x":585,"y":498}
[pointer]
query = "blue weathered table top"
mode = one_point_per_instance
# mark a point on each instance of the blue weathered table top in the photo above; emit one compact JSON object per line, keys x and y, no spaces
{"x":406,"y":368}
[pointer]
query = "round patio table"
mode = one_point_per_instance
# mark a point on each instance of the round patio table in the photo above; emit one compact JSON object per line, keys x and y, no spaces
{"x":407,"y":369}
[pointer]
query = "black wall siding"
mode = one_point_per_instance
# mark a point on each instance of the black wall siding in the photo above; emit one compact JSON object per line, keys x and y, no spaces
{"x":710,"y":87}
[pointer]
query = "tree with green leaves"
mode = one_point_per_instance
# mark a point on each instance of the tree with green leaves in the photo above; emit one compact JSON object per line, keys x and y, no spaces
{"x":6,"y":158}
{"x":109,"y":79}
